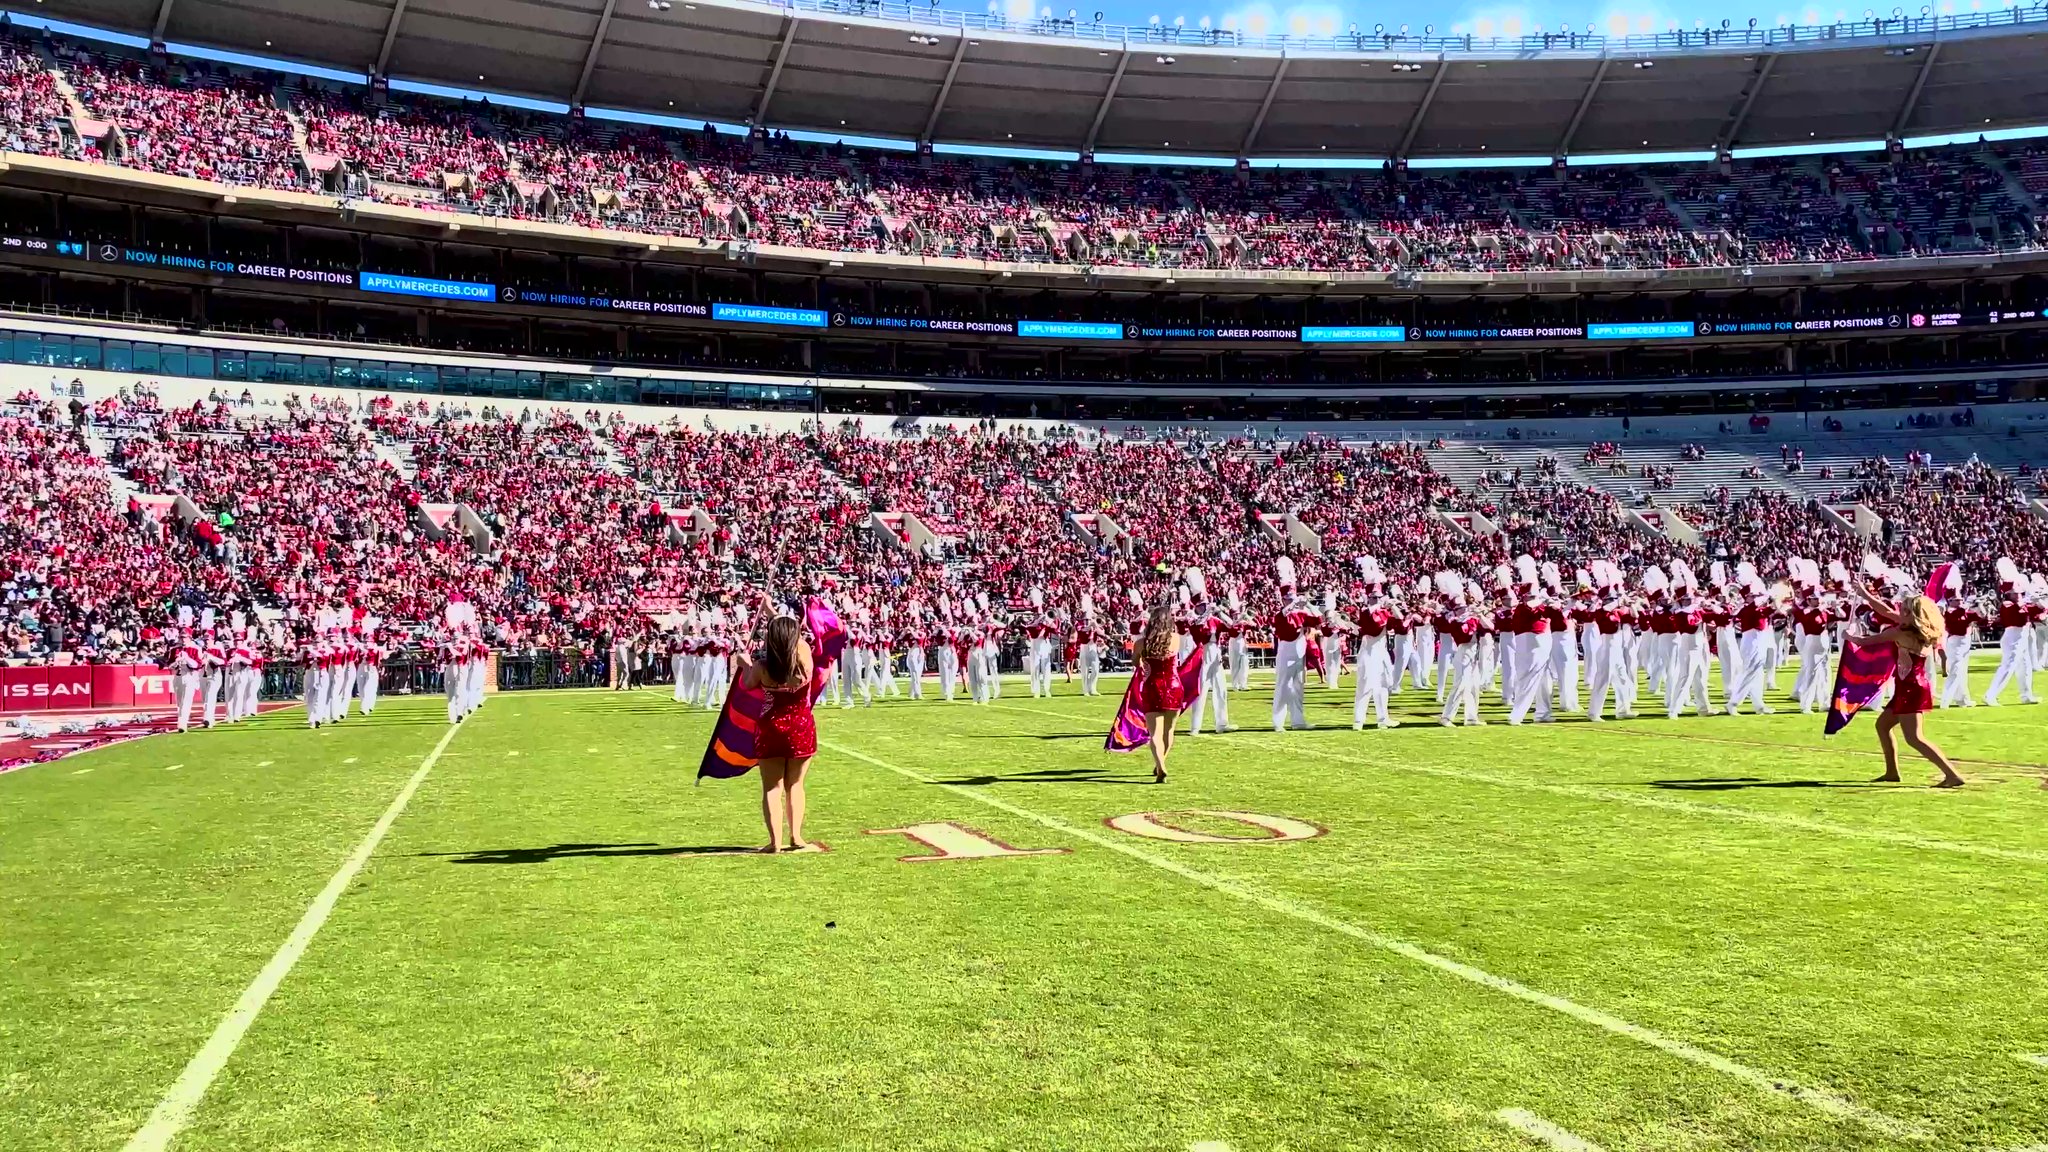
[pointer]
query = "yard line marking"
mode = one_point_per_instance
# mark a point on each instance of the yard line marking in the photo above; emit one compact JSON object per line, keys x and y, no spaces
{"x":172,"y":767}
{"x":265,"y":763}
{"x":350,"y":760}
{"x":1543,"y":1131}
{"x":1690,"y":807}
{"x":1209,"y":1146}
{"x":81,"y":771}
{"x":175,"y":1110}
{"x":1834,"y":1105}
{"x":2036,"y":1058}
{"x":1694,"y":808}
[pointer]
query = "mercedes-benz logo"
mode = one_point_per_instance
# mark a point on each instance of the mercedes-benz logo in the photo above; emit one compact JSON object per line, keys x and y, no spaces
{"x":1415,"y":333}
{"x":1131,"y":332}
{"x":1893,"y":322}
{"x":1706,"y":328}
{"x":109,"y":252}
{"x":509,"y":295}
{"x":839,"y":319}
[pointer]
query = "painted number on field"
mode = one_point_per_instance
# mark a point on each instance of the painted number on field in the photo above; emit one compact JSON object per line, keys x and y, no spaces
{"x":947,"y":840}
{"x":950,"y":841}
{"x":1263,"y":829}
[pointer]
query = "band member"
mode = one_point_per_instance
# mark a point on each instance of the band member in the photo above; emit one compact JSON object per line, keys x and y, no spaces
{"x":1205,"y":629}
{"x":1959,"y":621}
{"x":1462,"y":623}
{"x":213,"y":673}
{"x":2015,"y":645}
{"x":1377,"y":675}
{"x":1292,"y":631}
{"x":1240,"y":627}
{"x":188,"y":661}
{"x":1089,"y":638}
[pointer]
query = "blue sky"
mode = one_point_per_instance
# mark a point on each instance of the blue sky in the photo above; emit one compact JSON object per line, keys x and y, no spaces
{"x":1446,"y":18}
{"x":1484,"y":18}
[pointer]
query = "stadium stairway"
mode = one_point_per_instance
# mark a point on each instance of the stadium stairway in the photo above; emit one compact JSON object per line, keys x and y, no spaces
{"x":1465,"y":463}
{"x":1691,"y":478}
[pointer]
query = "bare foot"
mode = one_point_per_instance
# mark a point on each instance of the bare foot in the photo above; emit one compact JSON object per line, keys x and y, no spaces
{"x":1950,"y":782}
{"x":770,"y":850}
{"x":1887,"y":778}
{"x":1159,"y":775}
{"x":804,"y":846}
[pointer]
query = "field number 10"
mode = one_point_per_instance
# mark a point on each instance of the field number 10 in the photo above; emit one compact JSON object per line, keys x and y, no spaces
{"x":945,"y":840}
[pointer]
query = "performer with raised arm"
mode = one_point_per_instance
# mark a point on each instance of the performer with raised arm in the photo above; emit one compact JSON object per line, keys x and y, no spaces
{"x":1910,"y":640}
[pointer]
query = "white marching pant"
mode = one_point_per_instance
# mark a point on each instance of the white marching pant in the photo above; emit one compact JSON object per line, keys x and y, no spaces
{"x":1812,"y":685}
{"x":1462,"y":682}
{"x":185,"y":687}
{"x":1534,"y":675}
{"x":1685,"y":681}
{"x":1750,"y":669}
{"x":1377,"y":677}
{"x":2015,"y":662}
{"x":1290,"y":671}
{"x":1215,"y":692}
{"x":1955,"y":689}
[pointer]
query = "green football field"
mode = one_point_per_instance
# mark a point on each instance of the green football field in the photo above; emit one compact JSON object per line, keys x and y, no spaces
{"x":1653,"y":935}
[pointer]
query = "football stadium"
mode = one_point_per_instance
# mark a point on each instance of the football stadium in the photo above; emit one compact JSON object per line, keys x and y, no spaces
{"x":867,"y":576}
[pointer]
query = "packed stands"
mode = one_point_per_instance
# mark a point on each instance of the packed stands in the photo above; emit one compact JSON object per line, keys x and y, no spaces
{"x":298,"y":504}
{"x":239,"y":127}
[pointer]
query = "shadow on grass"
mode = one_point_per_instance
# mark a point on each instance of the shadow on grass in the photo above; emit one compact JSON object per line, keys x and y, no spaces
{"x":588,"y":851}
{"x":1733,"y":783}
{"x":1051,"y":776}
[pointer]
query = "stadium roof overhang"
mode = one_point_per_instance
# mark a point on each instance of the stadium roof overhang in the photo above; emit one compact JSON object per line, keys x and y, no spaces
{"x":1140,"y":90}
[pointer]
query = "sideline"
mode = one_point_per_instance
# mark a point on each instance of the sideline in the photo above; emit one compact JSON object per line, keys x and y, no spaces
{"x":1821,"y":1099}
{"x":175,"y":1110}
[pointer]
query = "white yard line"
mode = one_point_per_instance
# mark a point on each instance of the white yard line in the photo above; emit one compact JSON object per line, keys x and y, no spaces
{"x":1819,"y":1098}
{"x":1543,"y":1131}
{"x":2037,"y":1059}
{"x":1665,"y":803}
{"x":175,"y":1110}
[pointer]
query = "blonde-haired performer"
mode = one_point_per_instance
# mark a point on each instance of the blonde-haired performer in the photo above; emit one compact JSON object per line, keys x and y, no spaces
{"x":1916,"y":632}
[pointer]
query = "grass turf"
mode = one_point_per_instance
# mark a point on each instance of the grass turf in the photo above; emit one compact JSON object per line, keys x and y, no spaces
{"x":544,"y":953}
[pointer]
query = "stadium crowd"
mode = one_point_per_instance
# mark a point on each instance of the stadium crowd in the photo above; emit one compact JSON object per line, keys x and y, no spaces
{"x":565,"y":528}
{"x":191,"y":118}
